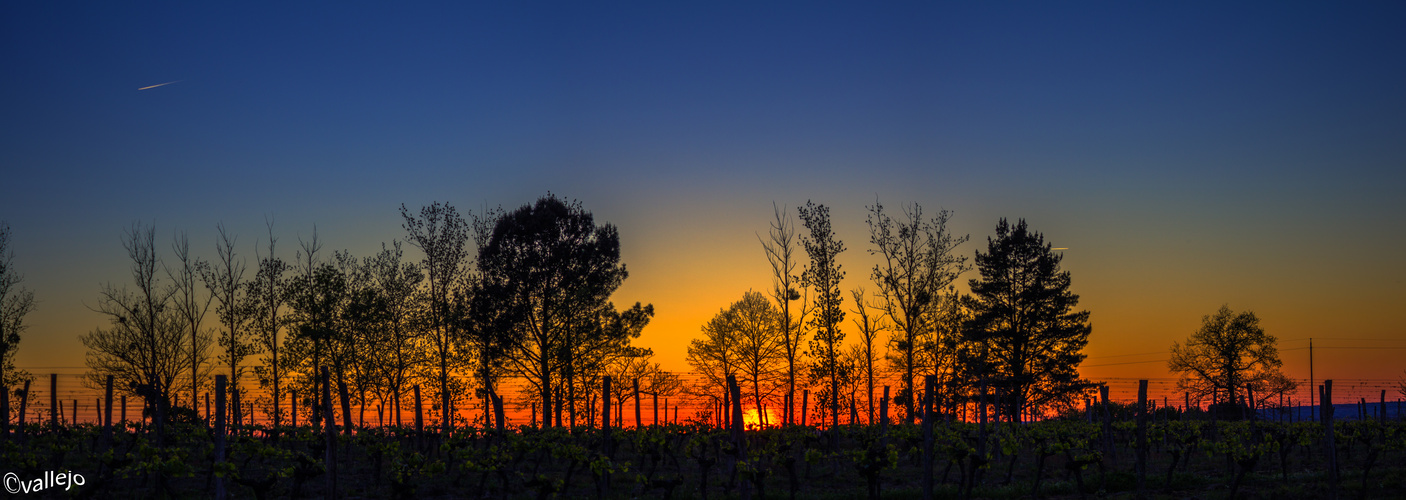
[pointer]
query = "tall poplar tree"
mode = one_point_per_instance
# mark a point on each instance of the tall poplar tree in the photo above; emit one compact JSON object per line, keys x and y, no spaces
{"x":824,"y":276}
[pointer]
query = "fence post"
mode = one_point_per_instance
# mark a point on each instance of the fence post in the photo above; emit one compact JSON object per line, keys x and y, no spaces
{"x":1381,"y":409}
{"x":656,"y":406}
{"x":929,"y":383}
{"x":220,"y":493}
{"x":638,"y":422}
{"x":1142,"y":438}
{"x":331,"y":432}
{"x":738,"y":439}
{"x":107,"y":416}
{"x":5,"y":411}
{"x":805,"y":406}
{"x":1108,"y":449}
{"x":293,"y":407}
{"x":123,"y":410}
{"x":605,"y":405}
{"x":54,"y":399}
{"x":346,"y":405}
{"x":498,"y":410}
{"x":1325,"y":398}
{"x":419,"y":417}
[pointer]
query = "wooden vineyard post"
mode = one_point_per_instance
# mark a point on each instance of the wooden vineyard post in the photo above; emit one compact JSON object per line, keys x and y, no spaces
{"x":1381,"y":409}
{"x":220,"y":493}
{"x":605,"y":405}
{"x":54,"y":400}
{"x":5,"y":412}
{"x":727,"y":408}
{"x":854,"y":410}
{"x":929,"y":384}
{"x":605,"y":427}
{"x":293,"y":407}
{"x":107,"y":418}
{"x":656,"y":406}
{"x":419,"y":417}
{"x":1108,"y":449}
{"x":346,"y":406}
{"x":330,"y":428}
{"x":123,"y":410}
{"x":74,"y":420}
{"x":24,"y":405}
{"x":238,"y":411}
{"x":638,"y":421}
{"x":738,"y":439}
{"x":805,"y":406}
{"x":1325,"y":398}
{"x":207,"y":408}
{"x":1142,"y":438}
{"x":498,"y":410}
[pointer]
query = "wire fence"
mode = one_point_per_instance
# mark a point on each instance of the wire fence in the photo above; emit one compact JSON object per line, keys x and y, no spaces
{"x":79,"y":403}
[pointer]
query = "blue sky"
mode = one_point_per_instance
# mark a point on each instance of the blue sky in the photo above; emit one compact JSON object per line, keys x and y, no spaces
{"x":1190,"y":154}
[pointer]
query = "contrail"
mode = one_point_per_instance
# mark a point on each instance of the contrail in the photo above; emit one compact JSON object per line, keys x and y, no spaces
{"x":160,"y":84}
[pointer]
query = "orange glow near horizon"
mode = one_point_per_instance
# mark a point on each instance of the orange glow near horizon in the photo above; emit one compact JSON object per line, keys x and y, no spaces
{"x":752,"y":419}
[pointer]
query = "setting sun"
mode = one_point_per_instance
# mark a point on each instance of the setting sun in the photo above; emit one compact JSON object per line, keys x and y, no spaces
{"x":752,"y":419}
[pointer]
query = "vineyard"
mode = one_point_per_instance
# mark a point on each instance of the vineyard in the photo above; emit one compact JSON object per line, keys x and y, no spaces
{"x":1108,"y":449}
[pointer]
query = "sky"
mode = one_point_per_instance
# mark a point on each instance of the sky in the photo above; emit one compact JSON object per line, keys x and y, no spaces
{"x":1188,"y":155}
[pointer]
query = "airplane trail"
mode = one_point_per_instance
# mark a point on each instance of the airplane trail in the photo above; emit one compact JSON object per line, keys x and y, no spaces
{"x":160,"y":84}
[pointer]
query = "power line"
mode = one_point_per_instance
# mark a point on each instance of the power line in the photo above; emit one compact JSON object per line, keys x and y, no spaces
{"x":1127,"y":363}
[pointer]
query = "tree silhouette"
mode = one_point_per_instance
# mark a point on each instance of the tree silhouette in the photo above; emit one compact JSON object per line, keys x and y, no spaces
{"x":745,"y":341}
{"x":443,"y":235}
{"x":266,"y":297}
{"x":396,"y":282}
{"x":143,"y":349}
{"x":824,"y":276}
{"x":190,"y":308}
{"x":1229,"y":351}
{"x":233,"y":308}
{"x":15,"y":303}
{"x":781,"y":253}
{"x":1023,"y":316}
{"x":714,"y":355}
{"x":556,"y":269}
{"x":869,"y":328}
{"x":917,"y":264}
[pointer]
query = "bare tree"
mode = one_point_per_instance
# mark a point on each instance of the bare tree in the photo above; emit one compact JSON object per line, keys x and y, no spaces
{"x":869,"y":328}
{"x":225,"y":280}
{"x":190,"y":309}
{"x":712,"y":356}
{"x":917,"y":264}
{"x":144,"y":347}
{"x":781,"y":253}
{"x":15,"y":303}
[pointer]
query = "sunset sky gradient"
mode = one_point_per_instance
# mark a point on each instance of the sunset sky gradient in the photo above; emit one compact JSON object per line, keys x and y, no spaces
{"x":1188,"y":154}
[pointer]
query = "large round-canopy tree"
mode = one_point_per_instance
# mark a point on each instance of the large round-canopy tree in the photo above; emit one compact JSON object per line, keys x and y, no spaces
{"x":550,"y":270}
{"x":1228,"y":352}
